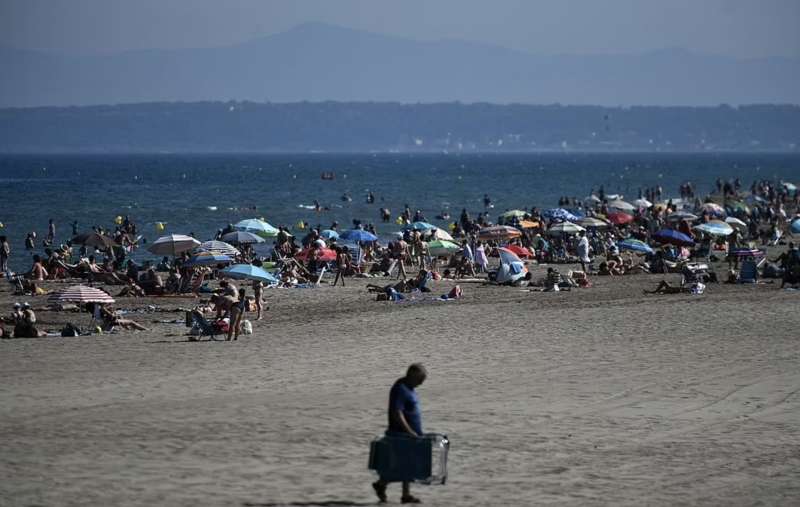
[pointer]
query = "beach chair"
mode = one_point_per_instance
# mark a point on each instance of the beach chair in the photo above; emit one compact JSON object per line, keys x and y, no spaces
{"x":205,"y":327}
{"x":749,"y":271}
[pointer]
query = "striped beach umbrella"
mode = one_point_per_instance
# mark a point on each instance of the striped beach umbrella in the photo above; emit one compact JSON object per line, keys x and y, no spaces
{"x":218,"y":248}
{"x":498,"y":233}
{"x":592,"y":222}
{"x":256,"y":226}
{"x":242,"y":238}
{"x":442,"y":247}
{"x":565,"y":228}
{"x":80,"y":294}
{"x":634,"y":245}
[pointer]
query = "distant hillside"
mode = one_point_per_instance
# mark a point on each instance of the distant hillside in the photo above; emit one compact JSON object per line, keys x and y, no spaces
{"x":360,"y":126}
{"x":320,"y":62}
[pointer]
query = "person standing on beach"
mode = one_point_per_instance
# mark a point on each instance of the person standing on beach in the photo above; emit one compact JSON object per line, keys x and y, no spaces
{"x":405,"y":418}
{"x":5,"y":253}
{"x":237,"y":312}
{"x":583,"y":251}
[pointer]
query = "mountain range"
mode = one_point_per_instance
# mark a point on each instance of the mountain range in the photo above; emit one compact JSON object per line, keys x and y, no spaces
{"x":320,"y":62}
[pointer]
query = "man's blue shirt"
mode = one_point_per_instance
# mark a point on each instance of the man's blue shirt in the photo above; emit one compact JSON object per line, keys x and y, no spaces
{"x":405,"y":399}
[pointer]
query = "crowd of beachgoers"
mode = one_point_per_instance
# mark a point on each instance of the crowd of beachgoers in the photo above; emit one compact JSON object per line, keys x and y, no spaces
{"x":601,"y":235}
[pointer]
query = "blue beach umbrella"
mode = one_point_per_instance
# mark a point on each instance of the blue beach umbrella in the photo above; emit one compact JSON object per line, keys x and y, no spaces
{"x":673,"y":237}
{"x":358,"y":235}
{"x":420,"y":226}
{"x":559,"y":214}
{"x":634,"y":245}
{"x":248,"y":272}
{"x":329,"y":234}
{"x":795,"y":227}
{"x":208,"y":259}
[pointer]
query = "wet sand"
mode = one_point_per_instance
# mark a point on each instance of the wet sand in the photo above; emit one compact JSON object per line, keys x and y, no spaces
{"x":598,"y":396}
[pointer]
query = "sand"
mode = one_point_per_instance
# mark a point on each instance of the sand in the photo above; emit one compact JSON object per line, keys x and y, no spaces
{"x":597,"y":396}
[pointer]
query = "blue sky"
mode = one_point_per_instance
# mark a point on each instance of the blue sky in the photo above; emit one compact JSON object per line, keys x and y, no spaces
{"x":738,"y":28}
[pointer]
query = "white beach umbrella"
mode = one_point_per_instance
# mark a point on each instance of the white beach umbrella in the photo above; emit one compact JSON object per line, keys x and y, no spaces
{"x":643,"y":203}
{"x":442,"y":234}
{"x":736,"y":223}
{"x":621,"y":205}
{"x":173,"y":245}
{"x":565,"y":228}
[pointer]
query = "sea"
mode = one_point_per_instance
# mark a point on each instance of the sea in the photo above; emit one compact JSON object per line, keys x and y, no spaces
{"x":199,"y":194}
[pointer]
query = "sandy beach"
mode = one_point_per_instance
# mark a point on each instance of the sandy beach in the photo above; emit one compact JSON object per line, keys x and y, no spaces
{"x":599,"y":396}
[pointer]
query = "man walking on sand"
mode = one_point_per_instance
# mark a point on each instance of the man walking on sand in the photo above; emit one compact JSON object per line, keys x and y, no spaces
{"x":405,"y":418}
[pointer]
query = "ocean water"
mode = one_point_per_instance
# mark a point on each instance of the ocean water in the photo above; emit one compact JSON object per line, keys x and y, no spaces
{"x":202,"y":193}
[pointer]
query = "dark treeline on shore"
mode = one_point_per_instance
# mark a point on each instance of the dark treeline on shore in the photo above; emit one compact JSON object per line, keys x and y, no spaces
{"x":387,"y":126}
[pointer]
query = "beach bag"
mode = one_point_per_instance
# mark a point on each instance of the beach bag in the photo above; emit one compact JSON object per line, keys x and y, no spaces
{"x":247,"y":327}
{"x":221,"y":326}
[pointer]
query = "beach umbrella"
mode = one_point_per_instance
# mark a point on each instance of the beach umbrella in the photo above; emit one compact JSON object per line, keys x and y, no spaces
{"x":713,"y":209}
{"x":622,"y":206}
{"x":511,"y":266}
{"x":736,"y":223}
{"x":209,"y":259}
{"x":634,"y":245}
{"x":592,"y":200}
{"x":559,"y":214}
{"x":79,"y":294}
{"x":682,"y":215}
{"x":746,"y":252}
{"x":242,"y":238}
{"x":642,"y":203}
{"x":529,"y":224}
{"x":248,"y":272}
{"x":329,"y":234}
{"x":795,"y":227}
{"x":498,"y":233}
{"x":738,"y":207}
{"x":324,"y":255}
{"x":439,"y":233}
{"x":218,"y":248}
{"x":521,"y":251}
{"x":715,"y":228}
{"x":420,"y":226}
{"x":95,"y":240}
{"x":256,"y":226}
{"x":620,"y":218}
{"x":442,"y":247}
{"x":173,"y":245}
{"x":565,"y":228}
{"x":514,"y":213}
{"x":358,"y":235}
{"x":592,"y":222}
{"x":789,"y":186}
{"x":673,"y":237}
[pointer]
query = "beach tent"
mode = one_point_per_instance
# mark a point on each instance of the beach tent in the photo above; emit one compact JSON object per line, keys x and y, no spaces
{"x":498,"y":233}
{"x":511,"y":267}
{"x":79,"y":294}
{"x":218,"y":248}
{"x":256,"y":226}
{"x":242,"y":238}
{"x":248,"y":272}
{"x":173,"y":245}
{"x":442,"y":247}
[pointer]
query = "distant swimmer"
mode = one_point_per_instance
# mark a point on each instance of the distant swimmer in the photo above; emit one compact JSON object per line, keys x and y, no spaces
{"x":317,"y":206}
{"x":487,"y":202}
{"x":386,"y":215}
{"x":346,"y":197}
{"x":370,"y":198}
{"x":444,"y":215}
